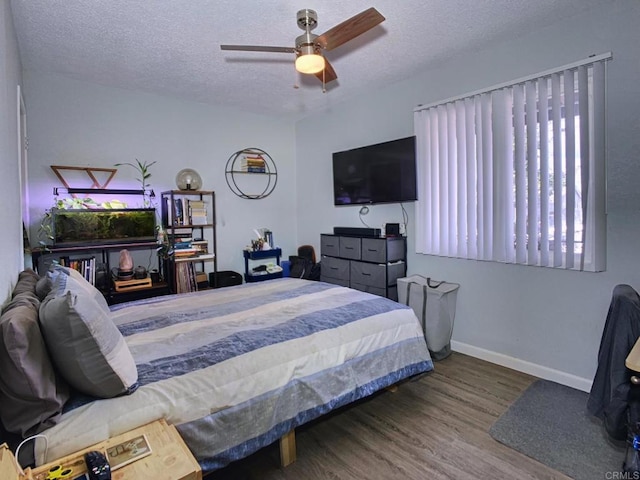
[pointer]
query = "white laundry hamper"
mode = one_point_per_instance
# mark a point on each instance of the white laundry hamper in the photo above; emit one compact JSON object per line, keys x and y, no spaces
{"x":434,"y":303}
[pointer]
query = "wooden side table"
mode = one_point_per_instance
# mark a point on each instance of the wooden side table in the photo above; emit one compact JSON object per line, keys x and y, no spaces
{"x":8,"y":468}
{"x":170,"y":458}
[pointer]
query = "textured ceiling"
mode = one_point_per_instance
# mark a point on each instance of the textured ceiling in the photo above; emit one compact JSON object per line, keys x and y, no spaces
{"x":172,"y":47}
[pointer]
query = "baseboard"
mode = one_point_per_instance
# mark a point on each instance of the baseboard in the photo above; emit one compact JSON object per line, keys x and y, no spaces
{"x":523,"y":366}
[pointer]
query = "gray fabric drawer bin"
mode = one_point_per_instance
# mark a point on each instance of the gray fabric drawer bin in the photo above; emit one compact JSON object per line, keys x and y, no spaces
{"x":369,"y":274}
{"x":382,"y":250}
{"x":369,"y":289}
{"x":434,"y":303}
{"x":350,"y":248}
{"x":330,"y":245}
{"x":336,"y":268}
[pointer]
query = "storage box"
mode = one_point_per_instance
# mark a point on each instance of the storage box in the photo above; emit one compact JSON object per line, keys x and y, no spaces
{"x":225,"y":278}
{"x":434,"y":303}
{"x":131,"y":285}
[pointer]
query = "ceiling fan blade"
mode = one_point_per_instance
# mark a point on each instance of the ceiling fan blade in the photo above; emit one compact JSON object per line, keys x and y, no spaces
{"x":329,"y":73}
{"x":350,"y":29}
{"x":258,"y":48}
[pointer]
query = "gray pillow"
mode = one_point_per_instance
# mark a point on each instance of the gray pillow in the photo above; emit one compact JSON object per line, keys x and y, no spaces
{"x":31,"y":393}
{"x":27,"y":280}
{"x":43,"y":287}
{"x":24,"y":298}
{"x":85,"y":345}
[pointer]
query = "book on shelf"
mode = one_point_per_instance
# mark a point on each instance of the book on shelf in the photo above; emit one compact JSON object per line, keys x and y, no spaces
{"x":194,"y":258}
{"x":184,"y":252}
{"x":201,"y":246}
{"x":197,"y":212}
{"x":185,"y":278}
{"x":179,"y":232}
{"x":86,"y":266}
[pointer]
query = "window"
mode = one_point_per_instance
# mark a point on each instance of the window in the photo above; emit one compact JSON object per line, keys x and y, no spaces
{"x":516,"y":173}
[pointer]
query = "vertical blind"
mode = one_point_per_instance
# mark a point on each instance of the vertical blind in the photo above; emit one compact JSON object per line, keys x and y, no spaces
{"x":516,"y":173}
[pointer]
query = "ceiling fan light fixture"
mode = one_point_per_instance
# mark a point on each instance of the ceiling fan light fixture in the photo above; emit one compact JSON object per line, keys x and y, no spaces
{"x":310,"y":63}
{"x":309,"y":59}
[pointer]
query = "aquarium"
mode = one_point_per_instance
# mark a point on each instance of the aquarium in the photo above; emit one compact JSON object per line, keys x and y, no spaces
{"x":100,"y":226}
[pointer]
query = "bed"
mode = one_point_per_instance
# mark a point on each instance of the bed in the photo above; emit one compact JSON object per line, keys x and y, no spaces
{"x":238,"y":368}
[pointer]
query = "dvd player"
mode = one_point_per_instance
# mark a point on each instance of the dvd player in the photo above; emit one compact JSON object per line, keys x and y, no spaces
{"x":357,"y":231}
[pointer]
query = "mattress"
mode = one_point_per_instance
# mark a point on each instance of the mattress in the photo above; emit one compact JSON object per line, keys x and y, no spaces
{"x":236,"y":368}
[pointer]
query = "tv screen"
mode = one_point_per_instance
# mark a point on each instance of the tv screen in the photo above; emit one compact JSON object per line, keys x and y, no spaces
{"x":380,"y":173}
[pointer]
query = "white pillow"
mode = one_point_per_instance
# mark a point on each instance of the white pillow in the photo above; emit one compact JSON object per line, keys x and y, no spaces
{"x":80,"y":283}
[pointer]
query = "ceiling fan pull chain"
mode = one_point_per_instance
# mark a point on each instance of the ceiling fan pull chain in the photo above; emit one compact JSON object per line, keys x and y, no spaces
{"x":295,"y":77}
{"x":324,"y":89}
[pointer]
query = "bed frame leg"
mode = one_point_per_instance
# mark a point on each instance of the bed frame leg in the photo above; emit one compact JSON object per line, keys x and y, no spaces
{"x":392,"y":388}
{"x":288,"y":448}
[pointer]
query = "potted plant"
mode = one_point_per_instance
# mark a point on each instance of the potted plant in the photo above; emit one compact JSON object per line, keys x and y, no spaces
{"x":143,"y":171}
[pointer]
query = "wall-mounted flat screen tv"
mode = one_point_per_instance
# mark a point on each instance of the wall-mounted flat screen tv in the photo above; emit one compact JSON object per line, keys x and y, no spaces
{"x":380,"y":173}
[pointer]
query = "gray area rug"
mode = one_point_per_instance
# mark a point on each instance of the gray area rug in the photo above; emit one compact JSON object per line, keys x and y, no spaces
{"x":549,"y":422}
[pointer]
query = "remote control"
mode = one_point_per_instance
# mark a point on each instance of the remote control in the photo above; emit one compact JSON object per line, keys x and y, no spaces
{"x":97,"y":466}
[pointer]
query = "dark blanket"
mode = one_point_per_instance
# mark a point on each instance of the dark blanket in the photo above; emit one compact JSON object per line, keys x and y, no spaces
{"x":610,"y":398}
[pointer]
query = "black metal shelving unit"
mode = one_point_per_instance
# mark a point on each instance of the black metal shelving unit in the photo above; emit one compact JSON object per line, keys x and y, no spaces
{"x":176,"y":226}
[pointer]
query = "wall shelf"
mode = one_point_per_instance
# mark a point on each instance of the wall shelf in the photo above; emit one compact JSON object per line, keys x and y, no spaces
{"x":247,"y":163}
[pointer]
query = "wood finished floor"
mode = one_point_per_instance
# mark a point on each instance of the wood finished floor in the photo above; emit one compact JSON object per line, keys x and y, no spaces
{"x":433,"y":427}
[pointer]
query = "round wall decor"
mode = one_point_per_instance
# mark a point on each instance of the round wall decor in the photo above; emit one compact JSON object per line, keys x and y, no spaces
{"x":251,"y":173}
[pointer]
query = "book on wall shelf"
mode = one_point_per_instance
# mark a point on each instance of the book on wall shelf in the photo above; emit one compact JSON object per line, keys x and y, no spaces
{"x":253,"y":164}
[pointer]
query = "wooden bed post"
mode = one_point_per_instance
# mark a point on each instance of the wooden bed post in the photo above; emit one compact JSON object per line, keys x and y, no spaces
{"x":288,"y":448}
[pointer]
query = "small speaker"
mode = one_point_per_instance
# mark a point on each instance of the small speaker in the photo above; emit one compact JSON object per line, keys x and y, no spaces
{"x":392,"y":229}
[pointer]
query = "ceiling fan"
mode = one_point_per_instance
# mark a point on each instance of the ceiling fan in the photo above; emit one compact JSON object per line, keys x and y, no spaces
{"x":308,"y":47}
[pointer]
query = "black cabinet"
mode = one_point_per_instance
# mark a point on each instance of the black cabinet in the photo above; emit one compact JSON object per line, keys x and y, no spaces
{"x":101,"y":277}
{"x":365,"y":263}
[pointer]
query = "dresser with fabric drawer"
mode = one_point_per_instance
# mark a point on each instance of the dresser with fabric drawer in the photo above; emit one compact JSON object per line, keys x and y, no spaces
{"x":369,"y":264}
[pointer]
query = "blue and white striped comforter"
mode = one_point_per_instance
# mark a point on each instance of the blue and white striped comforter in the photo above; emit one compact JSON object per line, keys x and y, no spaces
{"x":235,"y":369}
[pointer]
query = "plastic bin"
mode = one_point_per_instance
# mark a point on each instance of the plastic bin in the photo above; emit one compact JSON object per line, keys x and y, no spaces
{"x":224,"y":278}
{"x":434,"y":303}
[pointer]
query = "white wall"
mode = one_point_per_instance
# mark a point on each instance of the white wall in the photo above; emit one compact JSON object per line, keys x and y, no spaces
{"x":77,"y":123}
{"x":548,"y":322}
{"x":10,"y":218}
